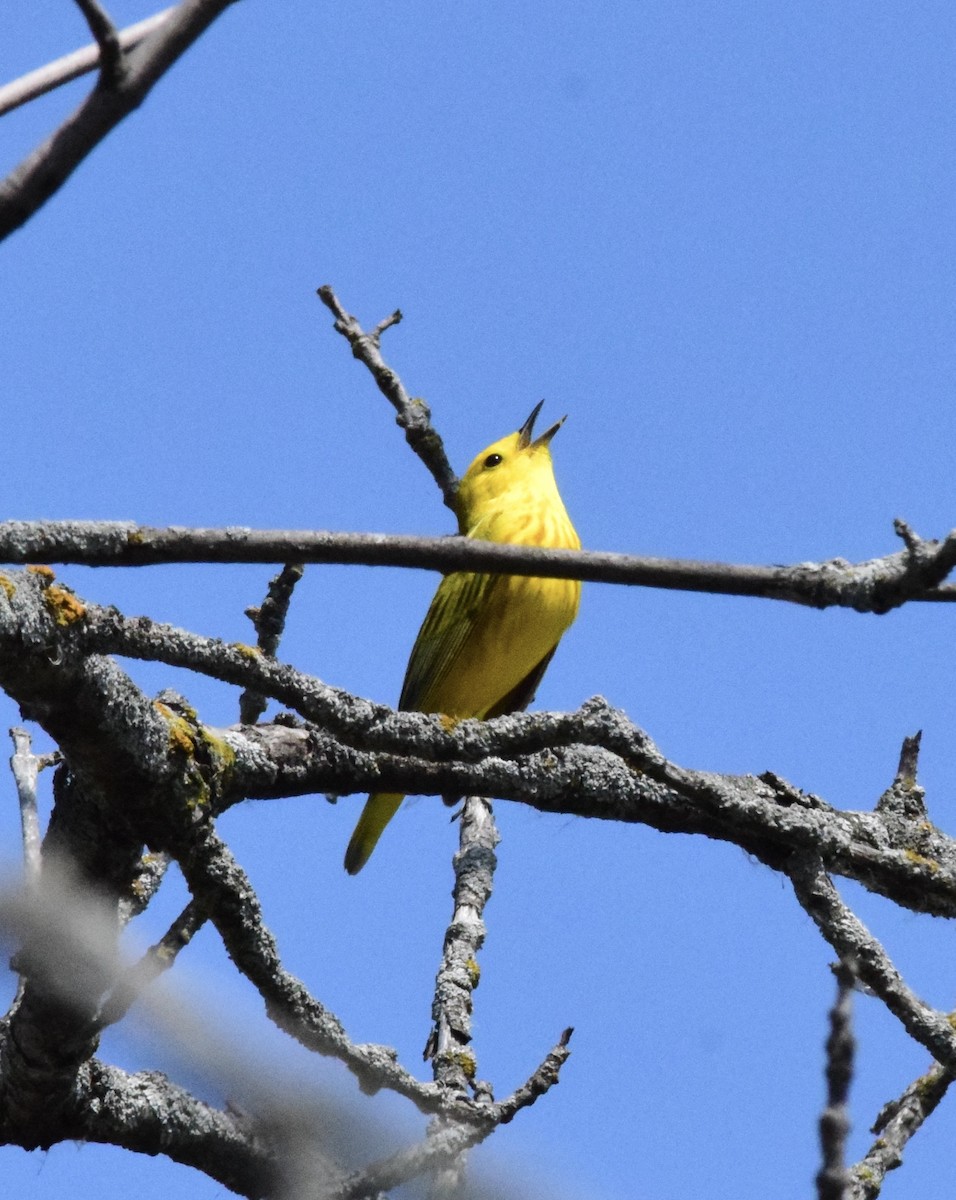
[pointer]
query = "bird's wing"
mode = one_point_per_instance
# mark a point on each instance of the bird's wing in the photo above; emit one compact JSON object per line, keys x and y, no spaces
{"x":520,"y":696}
{"x":448,"y":624}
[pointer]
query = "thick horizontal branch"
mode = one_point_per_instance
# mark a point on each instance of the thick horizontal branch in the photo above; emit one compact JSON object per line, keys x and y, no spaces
{"x":876,"y":585}
{"x":595,"y":763}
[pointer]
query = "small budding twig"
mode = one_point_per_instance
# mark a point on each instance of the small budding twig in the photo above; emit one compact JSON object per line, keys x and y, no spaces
{"x":269,"y":623}
{"x":414,"y":415}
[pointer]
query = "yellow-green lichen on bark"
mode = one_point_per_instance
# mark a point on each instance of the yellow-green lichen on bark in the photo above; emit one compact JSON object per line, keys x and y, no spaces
{"x":920,"y":860}
{"x":209,"y":759}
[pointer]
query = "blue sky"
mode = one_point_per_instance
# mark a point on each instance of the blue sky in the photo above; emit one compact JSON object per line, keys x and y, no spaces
{"x":720,"y":237}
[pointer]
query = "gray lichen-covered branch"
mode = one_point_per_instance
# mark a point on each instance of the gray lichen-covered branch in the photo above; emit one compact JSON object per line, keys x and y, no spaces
{"x":146,"y":773}
{"x":877,"y":585}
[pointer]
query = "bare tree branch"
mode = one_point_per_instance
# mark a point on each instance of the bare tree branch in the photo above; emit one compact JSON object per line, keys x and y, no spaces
{"x":285,"y":1133}
{"x":541,"y":1082}
{"x":220,"y":885}
{"x":876,"y":585}
{"x":455,"y":1066}
{"x":448,"y":1043}
{"x":72,"y":66}
{"x":149,"y":1114}
{"x":448,"y":1141}
{"x":591,"y":763}
{"x":847,"y":934}
{"x":43,"y":172}
{"x":159,"y":776}
{"x":896,"y":1124}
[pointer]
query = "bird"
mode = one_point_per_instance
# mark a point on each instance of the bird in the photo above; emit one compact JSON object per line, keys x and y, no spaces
{"x":486,"y":640}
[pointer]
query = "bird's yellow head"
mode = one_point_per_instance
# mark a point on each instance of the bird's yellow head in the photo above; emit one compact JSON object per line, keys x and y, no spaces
{"x":511,"y":476}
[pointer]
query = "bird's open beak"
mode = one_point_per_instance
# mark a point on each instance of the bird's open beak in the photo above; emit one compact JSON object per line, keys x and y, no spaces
{"x":524,"y":433}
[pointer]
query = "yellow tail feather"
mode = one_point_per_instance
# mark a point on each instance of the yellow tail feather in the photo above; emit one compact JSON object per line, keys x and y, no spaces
{"x":378,"y":811}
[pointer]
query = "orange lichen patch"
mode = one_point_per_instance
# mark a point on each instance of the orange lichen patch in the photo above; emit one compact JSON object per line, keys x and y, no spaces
{"x":448,"y":723}
{"x":8,"y":586}
{"x":181,"y":733}
{"x":247,"y":651}
{"x":43,"y":572}
{"x":63,"y":605}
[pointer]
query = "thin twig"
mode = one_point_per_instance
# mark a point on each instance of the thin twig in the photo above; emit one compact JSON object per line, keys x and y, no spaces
{"x":833,"y":1177}
{"x":546,"y":1077}
{"x":895,"y":1125}
{"x":107,"y":40}
{"x":157,"y":959}
{"x":414,"y":415}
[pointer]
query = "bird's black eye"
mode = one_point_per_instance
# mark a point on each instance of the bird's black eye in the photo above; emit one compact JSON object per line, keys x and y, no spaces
{"x":492,"y":460}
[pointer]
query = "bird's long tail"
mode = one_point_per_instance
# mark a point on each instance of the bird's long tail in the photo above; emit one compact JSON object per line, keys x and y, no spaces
{"x":378,"y":811}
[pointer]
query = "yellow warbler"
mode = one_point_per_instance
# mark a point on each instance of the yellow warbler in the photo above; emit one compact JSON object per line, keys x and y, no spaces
{"x":487,"y":639}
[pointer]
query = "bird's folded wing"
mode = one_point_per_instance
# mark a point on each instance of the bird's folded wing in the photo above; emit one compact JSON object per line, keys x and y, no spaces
{"x":449,"y":623}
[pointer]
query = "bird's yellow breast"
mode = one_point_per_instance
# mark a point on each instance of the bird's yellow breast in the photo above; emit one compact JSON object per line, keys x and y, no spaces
{"x":520,"y":622}
{"x":513,"y":621}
